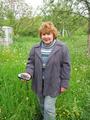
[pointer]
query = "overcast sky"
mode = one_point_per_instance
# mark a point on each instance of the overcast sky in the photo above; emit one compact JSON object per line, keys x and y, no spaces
{"x":34,"y":3}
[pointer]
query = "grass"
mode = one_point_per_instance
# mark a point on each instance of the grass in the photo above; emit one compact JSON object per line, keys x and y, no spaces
{"x":18,"y":102}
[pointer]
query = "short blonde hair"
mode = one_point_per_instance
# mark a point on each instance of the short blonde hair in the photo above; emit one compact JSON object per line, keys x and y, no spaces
{"x":47,"y":27}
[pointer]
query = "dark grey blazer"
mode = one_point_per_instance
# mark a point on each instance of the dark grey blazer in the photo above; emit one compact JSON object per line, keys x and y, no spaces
{"x":57,"y":72}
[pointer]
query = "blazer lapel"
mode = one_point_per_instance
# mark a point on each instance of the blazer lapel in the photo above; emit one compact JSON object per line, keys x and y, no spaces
{"x":56,"y":48}
{"x":38,"y":52}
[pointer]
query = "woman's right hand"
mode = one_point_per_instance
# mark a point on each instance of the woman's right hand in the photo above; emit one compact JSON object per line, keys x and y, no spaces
{"x":24,"y":76}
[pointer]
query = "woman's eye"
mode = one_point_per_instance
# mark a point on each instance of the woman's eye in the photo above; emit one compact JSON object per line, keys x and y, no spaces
{"x":48,"y":33}
{"x":43,"y":34}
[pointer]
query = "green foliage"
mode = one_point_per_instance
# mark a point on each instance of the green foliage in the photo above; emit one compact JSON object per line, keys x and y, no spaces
{"x":75,"y":100}
{"x":27,"y":27}
{"x":10,"y":21}
{"x":60,"y":13}
{"x":1,"y":14}
{"x":63,"y":16}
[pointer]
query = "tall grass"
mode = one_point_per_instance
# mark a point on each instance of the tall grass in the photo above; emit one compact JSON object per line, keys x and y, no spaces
{"x":18,"y":102}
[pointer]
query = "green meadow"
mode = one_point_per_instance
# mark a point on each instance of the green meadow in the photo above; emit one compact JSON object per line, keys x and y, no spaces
{"x":17,"y":100}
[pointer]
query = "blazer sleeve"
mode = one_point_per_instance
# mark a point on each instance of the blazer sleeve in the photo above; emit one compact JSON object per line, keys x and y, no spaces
{"x":65,"y":68}
{"x":30,"y":62}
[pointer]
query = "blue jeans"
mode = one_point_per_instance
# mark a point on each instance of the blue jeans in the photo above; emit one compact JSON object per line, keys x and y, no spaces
{"x":47,"y":105}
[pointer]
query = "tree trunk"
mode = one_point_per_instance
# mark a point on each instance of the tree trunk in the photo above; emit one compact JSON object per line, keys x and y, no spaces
{"x":89,"y":44}
{"x":88,"y":41}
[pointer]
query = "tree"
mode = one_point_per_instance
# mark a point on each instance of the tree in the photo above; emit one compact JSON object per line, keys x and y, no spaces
{"x":27,"y":26}
{"x":83,"y":8}
{"x":63,"y":16}
{"x":1,"y":13}
{"x":77,"y":8}
{"x":18,"y":7}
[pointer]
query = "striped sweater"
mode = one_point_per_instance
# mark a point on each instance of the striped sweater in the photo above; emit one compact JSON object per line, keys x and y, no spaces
{"x":45,"y":52}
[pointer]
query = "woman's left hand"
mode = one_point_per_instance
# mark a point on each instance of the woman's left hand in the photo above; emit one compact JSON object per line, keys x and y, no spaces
{"x":62,"y":89}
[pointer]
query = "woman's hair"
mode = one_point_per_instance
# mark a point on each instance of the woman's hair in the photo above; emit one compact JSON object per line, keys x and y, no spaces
{"x":48,"y":27}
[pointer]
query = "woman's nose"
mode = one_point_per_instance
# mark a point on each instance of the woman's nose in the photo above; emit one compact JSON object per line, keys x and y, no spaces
{"x":46,"y":35}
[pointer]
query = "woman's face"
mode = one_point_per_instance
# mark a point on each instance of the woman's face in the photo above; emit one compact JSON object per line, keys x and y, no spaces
{"x":47,"y":38}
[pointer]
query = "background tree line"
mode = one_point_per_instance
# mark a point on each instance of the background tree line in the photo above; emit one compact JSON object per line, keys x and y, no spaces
{"x":70,"y":17}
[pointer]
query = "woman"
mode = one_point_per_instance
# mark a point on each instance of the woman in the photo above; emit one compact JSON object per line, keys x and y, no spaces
{"x":49,"y":67}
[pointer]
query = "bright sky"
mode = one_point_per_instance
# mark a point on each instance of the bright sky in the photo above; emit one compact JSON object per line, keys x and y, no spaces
{"x":35,"y":3}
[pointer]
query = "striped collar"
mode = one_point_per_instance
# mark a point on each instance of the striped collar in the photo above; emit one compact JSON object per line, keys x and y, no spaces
{"x":48,"y":46}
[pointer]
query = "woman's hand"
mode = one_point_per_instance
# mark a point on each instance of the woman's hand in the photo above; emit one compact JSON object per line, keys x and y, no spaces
{"x":62,"y":89}
{"x":24,"y":76}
